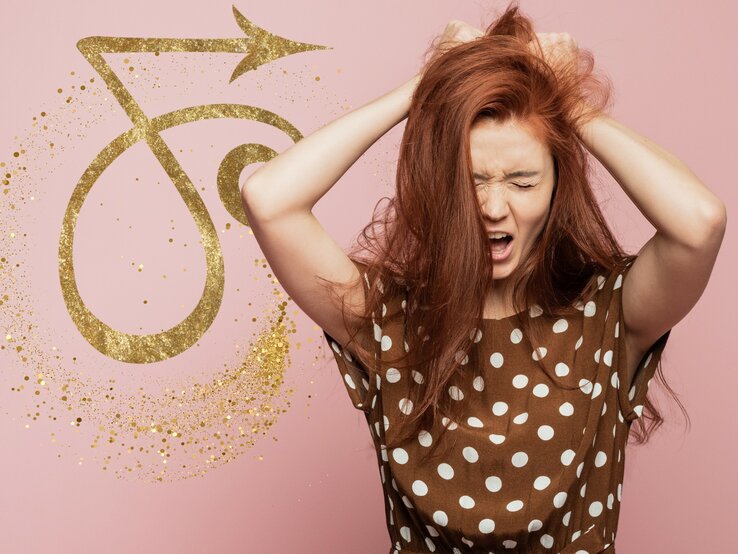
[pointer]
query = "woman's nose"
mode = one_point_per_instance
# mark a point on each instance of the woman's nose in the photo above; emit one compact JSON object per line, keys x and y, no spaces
{"x":493,"y":201}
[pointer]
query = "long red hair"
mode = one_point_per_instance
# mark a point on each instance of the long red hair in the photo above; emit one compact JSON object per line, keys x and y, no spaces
{"x":432,"y":245}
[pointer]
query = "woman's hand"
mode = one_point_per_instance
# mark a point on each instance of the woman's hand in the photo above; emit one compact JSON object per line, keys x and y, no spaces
{"x":457,"y":32}
{"x":558,"y":48}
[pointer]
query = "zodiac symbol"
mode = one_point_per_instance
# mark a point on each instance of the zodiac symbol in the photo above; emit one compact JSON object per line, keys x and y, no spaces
{"x":260,"y":47}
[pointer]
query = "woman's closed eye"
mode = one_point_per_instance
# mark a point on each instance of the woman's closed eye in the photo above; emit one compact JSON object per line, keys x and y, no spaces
{"x":520,"y":185}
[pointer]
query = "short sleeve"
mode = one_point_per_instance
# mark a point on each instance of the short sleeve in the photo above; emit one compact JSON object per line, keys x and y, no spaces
{"x":632,"y":396}
{"x":354,"y":374}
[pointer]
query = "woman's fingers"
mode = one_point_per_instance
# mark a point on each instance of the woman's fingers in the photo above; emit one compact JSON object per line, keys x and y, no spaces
{"x":556,"y":47}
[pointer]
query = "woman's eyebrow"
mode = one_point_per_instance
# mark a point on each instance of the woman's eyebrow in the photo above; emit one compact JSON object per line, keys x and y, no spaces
{"x":520,"y":173}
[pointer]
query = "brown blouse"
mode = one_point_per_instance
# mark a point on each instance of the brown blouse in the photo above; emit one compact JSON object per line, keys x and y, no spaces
{"x":537,"y":468}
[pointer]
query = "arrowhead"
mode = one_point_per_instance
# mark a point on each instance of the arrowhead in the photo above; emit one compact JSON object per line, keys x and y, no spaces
{"x":264,"y":47}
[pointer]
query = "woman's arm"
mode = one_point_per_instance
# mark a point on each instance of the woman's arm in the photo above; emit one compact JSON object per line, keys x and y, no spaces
{"x":674,"y":266}
{"x":298,"y":177}
{"x":278,"y":199}
{"x":665,"y":190}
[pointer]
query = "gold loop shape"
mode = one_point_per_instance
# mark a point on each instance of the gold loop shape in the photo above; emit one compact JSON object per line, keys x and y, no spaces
{"x":154,"y":347}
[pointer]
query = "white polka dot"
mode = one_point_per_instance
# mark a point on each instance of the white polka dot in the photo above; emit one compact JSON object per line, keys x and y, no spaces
{"x":497,"y":439}
{"x":419,"y":488}
{"x":405,"y":531}
{"x":474,"y":422}
{"x":476,"y":334}
{"x":377,"y":332}
{"x":496,"y":360}
{"x":383,"y":451}
{"x":547,"y":541}
{"x":455,"y":392}
{"x":499,"y":408}
{"x":607,"y":358}
{"x":445,"y":471}
{"x":516,"y":336}
{"x":478,"y":383}
{"x":561,"y":369}
{"x":585,"y":385}
{"x":425,"y":438}
{"x":567,"y":457}
{"x":466,"y":502}
{"x":535,"y":525}
{"x":541,"y":390}
{"x":559,"y":499}
{"x":519,"y":459}
{"x":520,"y":381}
{"x":595,"y":509}
{"x":486,"y":526}
{"x":521,"y":418}
{"x":541,"y":482}
{"x":600,"y":459}
{"x":386,"y":343}
{"x":493,"y":483}
{"x":590,"y":308}
{"x":461,"y":357}
{"x":349,"y":380}
{"x":470,"y":454}
{"x":507,"y":543}
{"x":392,"y":375}
{"x":440,"y":518}
{"x":540,"y":353}
{"x":400,"y":455}
{"x":578,"y":343}
{"x":560,"y":326}
{"x":406,"y":406}
{"x":566,"y":409}
{"x":450,"y":425}
{"x":418,"y":377}
{"x":515,"y":506}
{"x":545,"y":432}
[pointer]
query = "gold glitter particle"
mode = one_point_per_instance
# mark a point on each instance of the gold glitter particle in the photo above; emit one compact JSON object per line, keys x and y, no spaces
{"x":177,"y":431}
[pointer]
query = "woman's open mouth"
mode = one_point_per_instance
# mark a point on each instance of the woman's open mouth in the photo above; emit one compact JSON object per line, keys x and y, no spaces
{"x":501,"y":248}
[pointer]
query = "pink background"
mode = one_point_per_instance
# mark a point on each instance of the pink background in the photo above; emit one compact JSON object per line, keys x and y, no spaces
{"x":312,"y":483}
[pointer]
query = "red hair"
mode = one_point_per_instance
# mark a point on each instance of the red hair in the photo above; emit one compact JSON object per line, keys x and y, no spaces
{"x":432,"y":245}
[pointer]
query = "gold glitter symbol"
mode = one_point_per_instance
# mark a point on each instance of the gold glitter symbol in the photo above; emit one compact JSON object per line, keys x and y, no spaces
{"x":260,"y":47}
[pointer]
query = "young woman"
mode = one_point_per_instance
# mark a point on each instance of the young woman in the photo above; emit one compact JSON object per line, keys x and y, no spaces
{"x":498,"y":340}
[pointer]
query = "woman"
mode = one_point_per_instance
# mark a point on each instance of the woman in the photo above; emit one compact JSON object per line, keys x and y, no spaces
{"x":498,"y":318}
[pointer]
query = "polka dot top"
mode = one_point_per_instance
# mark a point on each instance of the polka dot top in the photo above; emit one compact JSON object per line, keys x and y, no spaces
{"x":537,"y":467}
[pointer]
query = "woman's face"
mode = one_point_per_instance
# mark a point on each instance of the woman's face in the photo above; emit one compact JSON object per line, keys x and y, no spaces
{"x":514,"y":179}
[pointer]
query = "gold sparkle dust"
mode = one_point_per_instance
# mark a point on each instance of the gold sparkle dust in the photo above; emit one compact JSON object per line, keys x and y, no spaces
{"x":138,"y":427}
